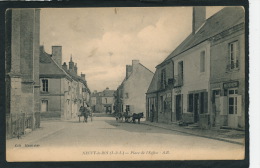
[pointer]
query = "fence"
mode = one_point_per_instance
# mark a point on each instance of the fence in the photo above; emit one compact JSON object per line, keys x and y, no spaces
{"x":17,"y":123}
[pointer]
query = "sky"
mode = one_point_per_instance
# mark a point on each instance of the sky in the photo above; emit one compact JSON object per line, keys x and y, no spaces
{"x":102,"y":41}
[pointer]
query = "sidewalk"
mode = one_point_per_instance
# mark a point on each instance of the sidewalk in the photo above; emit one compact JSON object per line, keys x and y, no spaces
{"x":226,"y":135}
{"x":47,"y":128}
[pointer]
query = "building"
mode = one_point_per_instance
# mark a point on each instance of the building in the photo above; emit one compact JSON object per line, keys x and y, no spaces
{"x":199,"y":74}
{"x":103,"y":101}
{"x":130,"y":94}
{"x":62,"y":90}
{"x":22,"y":69}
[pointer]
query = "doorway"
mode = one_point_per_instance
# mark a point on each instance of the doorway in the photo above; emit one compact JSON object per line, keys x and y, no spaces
{"x":178,"y":107}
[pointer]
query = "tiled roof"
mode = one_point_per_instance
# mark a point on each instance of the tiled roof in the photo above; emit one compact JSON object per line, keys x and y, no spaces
{"x":225,"y":19}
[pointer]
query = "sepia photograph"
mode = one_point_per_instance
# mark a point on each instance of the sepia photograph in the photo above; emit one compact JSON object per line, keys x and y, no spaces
{"x":126,"y":83}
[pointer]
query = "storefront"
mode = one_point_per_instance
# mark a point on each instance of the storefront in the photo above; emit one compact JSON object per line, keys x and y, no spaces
{"x":227,"y":104}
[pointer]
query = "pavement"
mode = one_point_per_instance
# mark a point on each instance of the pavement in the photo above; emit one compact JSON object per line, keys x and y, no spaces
{"x":49,"y":127}
{"x":226,"y":135}
{"x":105,"y":138}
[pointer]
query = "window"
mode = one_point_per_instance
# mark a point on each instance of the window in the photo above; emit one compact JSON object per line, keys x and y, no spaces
{"x":45,"y":85}
{"x":233,"y":55}
{"x":127,"y":108}
{"x":202,"y":61}
{"x":232,"y":101}
{"x":106,"y":100}
{"x":44,"y":105}
{"x":180,"y":73}
{"x":161,"y":103}
{"x":190,"y":108}
{"x":163,"y":78}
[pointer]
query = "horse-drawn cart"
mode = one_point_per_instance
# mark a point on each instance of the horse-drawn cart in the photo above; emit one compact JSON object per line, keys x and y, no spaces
{"x":129,"y":117}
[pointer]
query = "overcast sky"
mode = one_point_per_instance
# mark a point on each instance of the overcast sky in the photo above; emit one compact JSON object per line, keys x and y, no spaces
{"x":103,"y":40}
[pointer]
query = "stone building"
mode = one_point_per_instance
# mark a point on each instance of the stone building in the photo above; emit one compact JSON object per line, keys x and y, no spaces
{"x":103,"y":101}
{"x":62,"y":90}
{"x":131,"y":93}
{"x":192,"y":84}
{"x":22,"y":61}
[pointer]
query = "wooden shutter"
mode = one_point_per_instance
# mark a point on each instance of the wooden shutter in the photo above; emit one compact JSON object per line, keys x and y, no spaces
{"x":239,"y":105}
{"x":205,"y":102}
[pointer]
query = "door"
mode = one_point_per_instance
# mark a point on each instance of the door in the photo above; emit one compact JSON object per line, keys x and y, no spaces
{"x":178,"y":107}
{"x":233,"y":108}
{"x":44,"y":106}
{"x":216,"y":108}
{"x":196,"y":107}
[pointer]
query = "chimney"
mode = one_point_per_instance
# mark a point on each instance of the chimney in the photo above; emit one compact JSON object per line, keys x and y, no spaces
{"x":83,"y":76}
{"x":71,"y":64}
{"x":57,"y":54}
{"x":198,"y":17}
{"x":76,"y":69}
{"x":128,"y":70}
{"x":107,"y":88}
{"x":135,"y":62}
{"x":41,"y":49}
{"x":64,"y":66}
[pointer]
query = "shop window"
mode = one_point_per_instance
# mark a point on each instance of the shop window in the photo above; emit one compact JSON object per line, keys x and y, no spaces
{"x":232,"y":101}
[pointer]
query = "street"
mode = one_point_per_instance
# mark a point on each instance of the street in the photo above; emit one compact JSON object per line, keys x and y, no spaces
{"x":107,"y":139}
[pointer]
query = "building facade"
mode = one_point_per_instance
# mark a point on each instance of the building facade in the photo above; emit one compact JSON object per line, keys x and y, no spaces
{"x":62,"y":90}
{"x":22,"y":64}
{"x":206,"y":80}
{"x":131,"y":93}
{"x":103,"y":101}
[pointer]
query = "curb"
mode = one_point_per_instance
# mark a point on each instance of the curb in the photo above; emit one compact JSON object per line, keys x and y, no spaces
{"x":204,"y":136}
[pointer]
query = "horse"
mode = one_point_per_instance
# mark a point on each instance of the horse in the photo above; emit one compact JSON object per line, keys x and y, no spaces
{"x":121,"y":116}
{"x":85,"y":112}
{"x":137,"y":116}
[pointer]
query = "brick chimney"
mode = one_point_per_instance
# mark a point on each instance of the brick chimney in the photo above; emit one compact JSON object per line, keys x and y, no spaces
{"x":198,"y":17}
{"x":128,"y":71}
{"x":57,"y":54}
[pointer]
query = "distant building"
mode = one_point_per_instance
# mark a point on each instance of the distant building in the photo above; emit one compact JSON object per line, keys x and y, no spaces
{"x":130,"y":95}
{"x":103,"y":101}
{"x":203,"y":80}
{"x":22,"y":67}
{"x":62,"y":90}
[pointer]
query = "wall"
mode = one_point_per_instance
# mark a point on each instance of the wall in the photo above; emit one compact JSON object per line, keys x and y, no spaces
{"x":136,"y":86}
{"x":220,"y":74}
{"x":193,"y":79}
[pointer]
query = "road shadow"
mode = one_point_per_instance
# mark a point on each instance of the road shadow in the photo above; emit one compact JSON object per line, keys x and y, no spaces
{"x":141,"y":128}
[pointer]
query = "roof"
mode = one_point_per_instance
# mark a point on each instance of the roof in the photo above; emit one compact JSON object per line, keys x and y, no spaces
{"x":48,"y":66}
{"x":225,"y":19}
{"x":108,"y":93}
{"x":153,"y":85}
